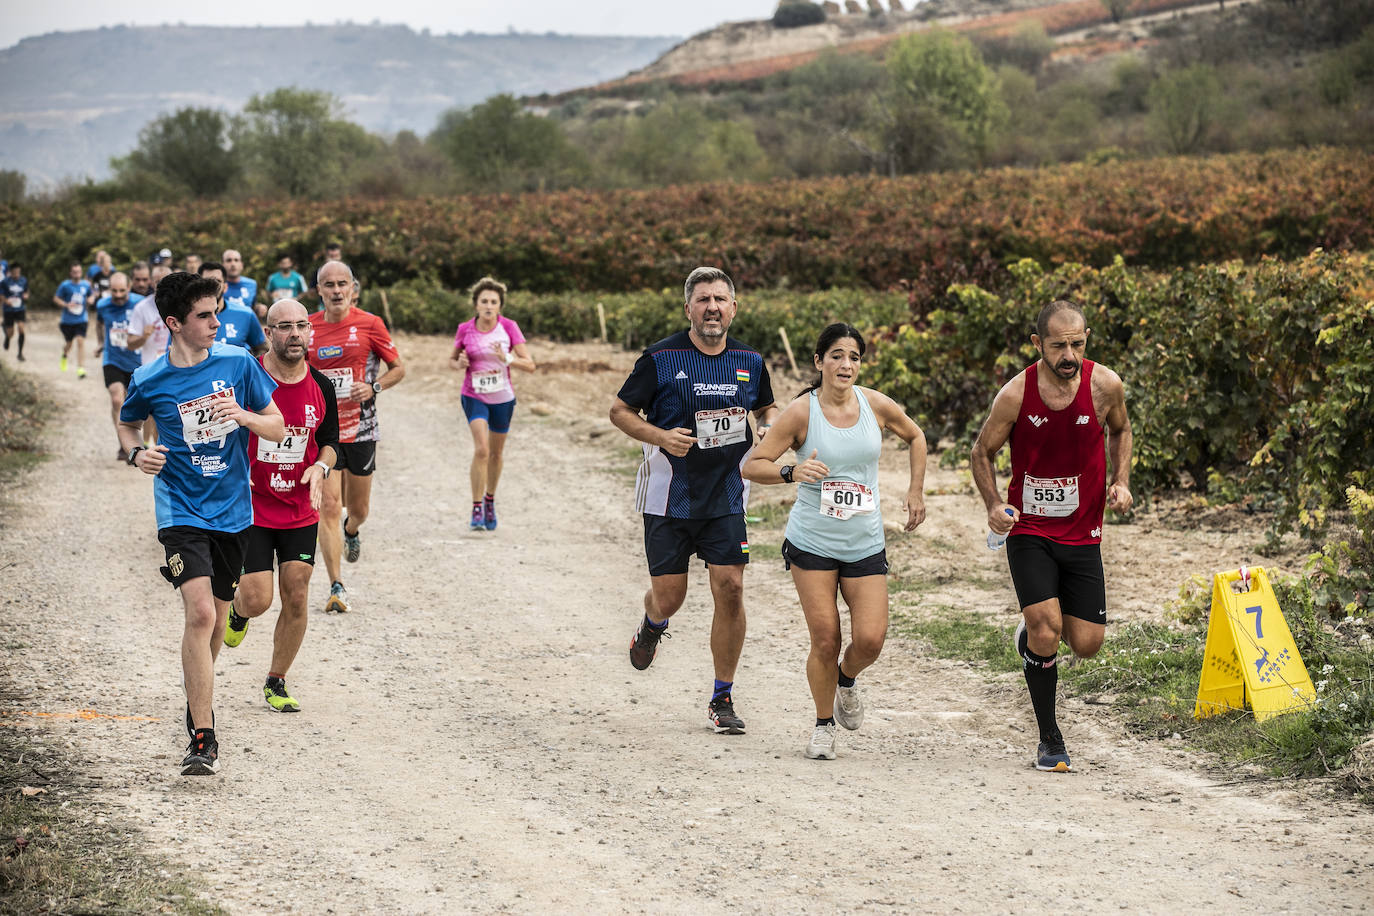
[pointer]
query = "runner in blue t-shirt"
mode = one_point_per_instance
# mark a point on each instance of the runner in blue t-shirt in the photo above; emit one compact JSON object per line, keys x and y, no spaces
{"x":237,"y":325}
{"x":118,"y":362}
{"x":14,"y":294}
{"x":239,"y":290}
{"x":697,"y":389}
{"x":206,"y":398}
{"x":72,"y":297}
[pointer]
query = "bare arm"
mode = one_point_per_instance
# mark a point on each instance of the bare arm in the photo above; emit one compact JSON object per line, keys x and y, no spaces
{"x":676,"y":442}
{"x":894,"y":418}
{"x":362,"y":391}
{"x":787,"y":429}
{"x":994,"y":434}
{"x":1119,"y":440}
{"x":522,"y":358}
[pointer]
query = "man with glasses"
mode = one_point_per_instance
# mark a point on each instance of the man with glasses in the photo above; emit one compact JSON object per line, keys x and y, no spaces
{"x":288,"y":480}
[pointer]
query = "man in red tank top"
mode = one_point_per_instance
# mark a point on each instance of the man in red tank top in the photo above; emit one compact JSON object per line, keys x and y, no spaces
{"x":1056,"y":414}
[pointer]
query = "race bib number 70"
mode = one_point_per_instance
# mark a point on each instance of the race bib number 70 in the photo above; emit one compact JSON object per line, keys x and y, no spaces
{"x":725,"y":426}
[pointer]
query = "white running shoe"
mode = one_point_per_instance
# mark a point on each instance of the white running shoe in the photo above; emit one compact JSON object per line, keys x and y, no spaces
{"x":849,"y":706}
{"x":822,"y":744}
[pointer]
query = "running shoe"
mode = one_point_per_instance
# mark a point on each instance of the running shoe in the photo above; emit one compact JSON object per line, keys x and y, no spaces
{"x":202,"y":756}
{"x":7,"y":341}
{"x":64,"y":364}
{"x":479,"y":519}
{"x":353,"y":545}
{"x":822,"y":743}
{"x":489,"y":514}
{"x":723,"y":718}
{"x":234,"y":628}
{"x":1051,"y":756}
{"x":21,"y":358}
{"x":191,"y":725}
{"x":338,"y":599}
{"x":277,"y":697}
{"x":644,"y":644}
{"x":849,"y":707}
{"x":80,"y":371}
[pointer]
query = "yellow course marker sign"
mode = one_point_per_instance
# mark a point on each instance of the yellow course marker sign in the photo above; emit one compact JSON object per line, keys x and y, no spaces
{"x":1250,"y":658}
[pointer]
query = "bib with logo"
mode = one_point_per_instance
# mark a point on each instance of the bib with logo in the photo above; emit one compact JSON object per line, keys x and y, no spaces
{"x":725,"y":426}
{"x":342,"y":380}
{"x":1049,"y":497}
{"x":197,"y":426}
{"x":489,"y":382}
{"x":846,"y":499}
{"x":290,"y":450}
{"x":119,"y":335}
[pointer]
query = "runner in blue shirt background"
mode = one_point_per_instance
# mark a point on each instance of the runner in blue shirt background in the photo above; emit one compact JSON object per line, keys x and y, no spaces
{"x":14,"y":294}
{"x":239,"y":290}
{"x":118,"y":362}
{"x":237,"y":325}
{"x":72,"y":297}
{"x":206,"y":398}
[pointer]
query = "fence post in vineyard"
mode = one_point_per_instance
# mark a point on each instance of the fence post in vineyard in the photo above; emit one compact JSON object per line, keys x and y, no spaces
{"x":386,"y":310}
{"x":601,"y":317}
{"x":787,"y":345}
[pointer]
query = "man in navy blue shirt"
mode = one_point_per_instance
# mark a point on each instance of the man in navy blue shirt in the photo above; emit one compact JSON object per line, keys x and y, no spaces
{"x":14,"y":294}
{"x":206,"y":397}
{"x":696,"y":390}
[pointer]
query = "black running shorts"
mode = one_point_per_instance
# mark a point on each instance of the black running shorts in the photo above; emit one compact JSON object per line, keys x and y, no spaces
{"x":1042,"y":569}
{"x":115,"y":374}
{"x":195,"y":552}
{"x":357,"y":458}
{"x":288,"y":544}
{"x":670,"y":542}
{"x":72,"y":331}
{"x":14,"y":317}
{"x":872,"y":565}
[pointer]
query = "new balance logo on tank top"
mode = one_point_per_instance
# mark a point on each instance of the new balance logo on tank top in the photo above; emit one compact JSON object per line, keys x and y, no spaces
{"x":676,"y":385}
{"x":1059,"y":465}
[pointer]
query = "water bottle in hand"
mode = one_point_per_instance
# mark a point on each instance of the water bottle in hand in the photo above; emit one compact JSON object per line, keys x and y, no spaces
{"x":995,"y":540}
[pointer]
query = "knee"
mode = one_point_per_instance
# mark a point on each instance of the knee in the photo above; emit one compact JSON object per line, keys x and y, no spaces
{"x":1043,"y":630}
{"x":293,"y":599}
{"x":1086,"y":645}
{"x":330,"y":505}
{"x":480,"y":451}
{"x":826,"y":646}
{"x":200,"y":618}
{"x":869,"y":645}
{"x":730,"y":597}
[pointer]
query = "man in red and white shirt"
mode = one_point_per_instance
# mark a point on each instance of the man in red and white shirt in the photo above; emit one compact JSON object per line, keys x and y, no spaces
{"x":348,"y":346}
{"x":1056,"y":413}
{"x":288,"y":482}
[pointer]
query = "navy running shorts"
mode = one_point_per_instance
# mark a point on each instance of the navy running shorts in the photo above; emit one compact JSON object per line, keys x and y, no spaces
{"x":498,"y":416}
{"x":670,"y":542}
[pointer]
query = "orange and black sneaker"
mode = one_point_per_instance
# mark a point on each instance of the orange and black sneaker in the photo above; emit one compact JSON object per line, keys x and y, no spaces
{"x":723,"y":718}
{"x":644,"y":644}
{"x":202,"y":754}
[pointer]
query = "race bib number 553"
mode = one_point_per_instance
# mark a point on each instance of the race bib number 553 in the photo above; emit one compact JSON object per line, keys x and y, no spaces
{"x":1049,"y":497}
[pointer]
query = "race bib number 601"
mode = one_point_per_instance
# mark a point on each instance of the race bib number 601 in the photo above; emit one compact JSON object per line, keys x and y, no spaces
{"x":721,"y":427}
{"x":1049,"y":497}
{"x":846,"y":499}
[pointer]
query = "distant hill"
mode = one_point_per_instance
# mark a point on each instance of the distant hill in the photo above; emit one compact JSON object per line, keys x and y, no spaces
{"x":71,"y":100}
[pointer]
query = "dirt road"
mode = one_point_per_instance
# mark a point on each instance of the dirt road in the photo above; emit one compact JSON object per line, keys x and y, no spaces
{"x":474,"y":739}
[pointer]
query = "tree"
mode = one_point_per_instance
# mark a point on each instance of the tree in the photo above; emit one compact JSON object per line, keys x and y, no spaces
{"x":793,"y":13}
{"x":945,"y":104}
{"x":295,"y":141}
{"x":679,"y":143}
{"x":499,"y":146}
{"x":13,"y":186}
{"x":1184,"y":104}
{"x":187,"y":152}
{"x":1118,"y":8}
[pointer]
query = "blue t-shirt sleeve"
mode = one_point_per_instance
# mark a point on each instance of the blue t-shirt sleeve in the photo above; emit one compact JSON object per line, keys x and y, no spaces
{"x":258,"y":385}
{"x":255,"y":336}
{"x":136,"y":406}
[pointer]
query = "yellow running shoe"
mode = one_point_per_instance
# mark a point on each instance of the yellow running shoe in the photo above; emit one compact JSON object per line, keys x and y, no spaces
{"x":277,"y":697}
{"x":64,"y":364}
{"x":235,"y":628}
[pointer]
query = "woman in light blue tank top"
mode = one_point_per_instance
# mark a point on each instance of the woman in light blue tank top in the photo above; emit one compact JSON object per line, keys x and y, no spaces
{"x":834,"y":542}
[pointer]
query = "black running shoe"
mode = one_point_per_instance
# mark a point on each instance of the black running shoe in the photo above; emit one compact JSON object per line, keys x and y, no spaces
{"x":191,"y":725}
{"x":1051,"y":756}
{"x":644,"y":644}
{"x":723,"y":718}
{"x":202,"y":755}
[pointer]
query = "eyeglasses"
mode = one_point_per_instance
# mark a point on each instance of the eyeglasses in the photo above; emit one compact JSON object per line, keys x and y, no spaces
{"x":288,"y":326}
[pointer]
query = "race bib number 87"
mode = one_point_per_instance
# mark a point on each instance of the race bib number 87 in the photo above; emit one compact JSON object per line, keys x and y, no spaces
{"x":1049,"y":497}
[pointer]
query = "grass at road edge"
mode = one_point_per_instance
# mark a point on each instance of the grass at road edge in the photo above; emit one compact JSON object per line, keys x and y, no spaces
{"x":1148,"y":674}
{"x":58,"y":852}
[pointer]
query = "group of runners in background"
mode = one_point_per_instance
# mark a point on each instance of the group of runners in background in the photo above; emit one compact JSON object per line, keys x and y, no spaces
{"x":216,"y":409}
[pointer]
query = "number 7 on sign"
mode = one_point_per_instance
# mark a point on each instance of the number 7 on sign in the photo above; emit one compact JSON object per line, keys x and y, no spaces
{"x":1257,"y":611}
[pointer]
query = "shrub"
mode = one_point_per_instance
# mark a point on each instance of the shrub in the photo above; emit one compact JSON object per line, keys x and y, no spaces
{"x":793,"y":13}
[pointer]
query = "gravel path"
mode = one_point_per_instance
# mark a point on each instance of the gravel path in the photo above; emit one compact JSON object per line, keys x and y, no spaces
{"x":474,"y":739}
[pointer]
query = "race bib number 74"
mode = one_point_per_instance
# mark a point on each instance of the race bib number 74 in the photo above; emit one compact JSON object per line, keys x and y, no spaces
{"x":290,"y":450}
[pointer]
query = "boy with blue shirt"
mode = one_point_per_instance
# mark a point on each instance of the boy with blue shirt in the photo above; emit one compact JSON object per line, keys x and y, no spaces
{"x":118,"y":362}
{"x":237,"y":325}
{"x":206,"y":398}
{"x":14,"y":293}
{"x":72,"y":297}
{"x":239,"y":290}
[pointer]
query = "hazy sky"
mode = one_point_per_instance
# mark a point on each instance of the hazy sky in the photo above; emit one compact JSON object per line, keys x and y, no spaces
{"x":24,"y":18}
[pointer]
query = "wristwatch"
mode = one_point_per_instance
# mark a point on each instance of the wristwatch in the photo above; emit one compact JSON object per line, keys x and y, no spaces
{"x":324,"y":468}
{"x":133,"y":454}
{"x":376,"y":388}
{"x":786,"y":472}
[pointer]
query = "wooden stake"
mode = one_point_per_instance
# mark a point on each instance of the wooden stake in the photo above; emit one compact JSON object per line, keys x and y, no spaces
{"x":786,"y":345}
{"x":386,"y":309}
{"x":601,"y":316}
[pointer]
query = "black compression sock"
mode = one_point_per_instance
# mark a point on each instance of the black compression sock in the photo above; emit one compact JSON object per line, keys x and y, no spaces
{"x":845,"y":680}
{"x":828,"y":720}
{"x":1042,"y":680}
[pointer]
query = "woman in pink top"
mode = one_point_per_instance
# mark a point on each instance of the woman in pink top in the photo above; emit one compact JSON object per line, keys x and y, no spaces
{"x":486,"y":348}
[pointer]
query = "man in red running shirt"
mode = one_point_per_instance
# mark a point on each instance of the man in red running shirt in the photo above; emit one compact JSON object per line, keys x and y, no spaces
{"x":287,"y":480}
{"x":1055,"y":413}
{"x":347,"y":347}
